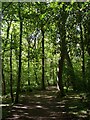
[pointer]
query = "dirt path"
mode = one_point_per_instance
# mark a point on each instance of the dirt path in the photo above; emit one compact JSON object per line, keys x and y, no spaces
{"x":43,"y":105}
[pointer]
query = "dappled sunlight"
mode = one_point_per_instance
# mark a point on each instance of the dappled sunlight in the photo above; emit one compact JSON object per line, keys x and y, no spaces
{"x":74,"y":97}
{"x":37,"y":96}
{"x":38,"y":106}
{"x":80,"y":114}
{"x":78,"y":105}
{"x":73,"y":107}
{"x":16,"y":116}
{"x":46,"y":106}
{"x":43,"y":96}
{"x":2,"y":105}
{"x":83,"y":111}
{"x":60,"y":106}
{"x":74,"y":113}
{"x":46,"y":96}
{"x":26,"y":113}
{"x":24,"y":107}
{"x":13,"y":110}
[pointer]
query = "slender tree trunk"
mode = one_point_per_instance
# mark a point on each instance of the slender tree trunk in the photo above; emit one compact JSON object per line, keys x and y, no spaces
{"x":53,"y":75}
{"x":3,"y":77}
{"x":51,"y":70}
{"x":83,"y":58}
{"x":29,"y":63}
{"x":9,"y":25}
{"x":35,"y":72}
{"x":20,"y":52}
{"x":4,"y":82}
{"x":36,"y":61}
{"x":11,"y":89}
{"x":5,"y":44}
{"x":43,"y":81}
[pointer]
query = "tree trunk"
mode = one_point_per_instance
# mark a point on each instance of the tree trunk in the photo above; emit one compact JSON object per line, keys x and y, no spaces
{"x":51,"y":68}
{"x":43,"y":82}
{"x":4,"y":82}
{"x":9,"y":25}
{"x":62,"y":32}
{"x":71,"y":70}
{"x":20,"y":51}
{"x":60,"y":72}
{"x":5,"y":44}
{"x":88,"y":50}
{"x":3,"y":77}
{"x":29,"y":63}
{"x":36,"y":61}
{"x":11,"y":89}
{"x":61,"y":61}
{"x":83,"y":58}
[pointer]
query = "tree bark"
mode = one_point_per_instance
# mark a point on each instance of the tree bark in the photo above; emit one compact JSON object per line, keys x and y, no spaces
{"x":43,"y":81}
{"x":5,"y":44}
{"x":71,"y":70}
{"x":62,"y":32}
{"x":20,"y":52}
{"x":4,"y":82}
{"x":11,"y":89}
{"x":82,"y":53}
{"x":61,"y":61}
{"x":29,"y":63}
{"x":9,"y":25}
{"x":60,"y":72}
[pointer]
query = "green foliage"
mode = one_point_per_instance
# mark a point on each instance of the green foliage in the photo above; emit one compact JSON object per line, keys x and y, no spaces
{"x":51,"y":16}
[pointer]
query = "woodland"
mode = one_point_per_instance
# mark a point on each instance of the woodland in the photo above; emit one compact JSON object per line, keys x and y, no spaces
{"x":45,"y":60}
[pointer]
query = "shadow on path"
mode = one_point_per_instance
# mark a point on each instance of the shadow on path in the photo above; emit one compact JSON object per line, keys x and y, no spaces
{"x":42,"y":105}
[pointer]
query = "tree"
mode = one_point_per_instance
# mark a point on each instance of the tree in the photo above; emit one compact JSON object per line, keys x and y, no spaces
{"x":62,"y":33}
{"x":43,"y":84}
{"x":11,"y":83}
{"x":20,"y":53}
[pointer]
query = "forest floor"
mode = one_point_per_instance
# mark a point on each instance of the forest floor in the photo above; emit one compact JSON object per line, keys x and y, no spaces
{"x":45,"y":105}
